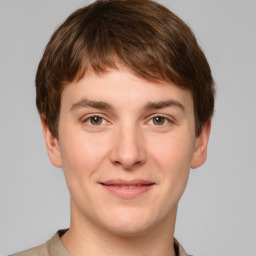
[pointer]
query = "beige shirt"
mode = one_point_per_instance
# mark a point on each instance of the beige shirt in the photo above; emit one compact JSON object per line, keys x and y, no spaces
{"x":54,"y":247}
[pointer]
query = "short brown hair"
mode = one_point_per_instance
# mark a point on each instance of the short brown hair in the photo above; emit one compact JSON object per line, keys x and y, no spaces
{"x":142,"y":35}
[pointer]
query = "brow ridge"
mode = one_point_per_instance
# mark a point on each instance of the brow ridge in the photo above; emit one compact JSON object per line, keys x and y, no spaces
{"x":164,"y":104}
{"x":106,"y":106}
{"x":91,"y":103}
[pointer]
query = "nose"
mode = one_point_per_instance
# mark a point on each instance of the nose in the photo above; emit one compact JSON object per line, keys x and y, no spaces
{"x":128,"y":148}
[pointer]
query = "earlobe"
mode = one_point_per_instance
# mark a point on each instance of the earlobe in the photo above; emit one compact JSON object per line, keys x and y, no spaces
{"x":52,"y":145}
{"x":200,"y":150}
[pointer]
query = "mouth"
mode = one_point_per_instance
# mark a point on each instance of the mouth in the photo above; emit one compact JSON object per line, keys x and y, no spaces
{"x":127,"y":189}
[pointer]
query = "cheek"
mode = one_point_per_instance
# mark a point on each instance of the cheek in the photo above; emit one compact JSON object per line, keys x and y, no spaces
{"x":173,"y":156}
{"x":82,"y":154}
{"x":172,"y":152}
{"x":82,"y":157}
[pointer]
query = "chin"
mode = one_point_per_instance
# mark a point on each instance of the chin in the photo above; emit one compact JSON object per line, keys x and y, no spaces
{"x":126,"y":230}
{"x":129,"y":223}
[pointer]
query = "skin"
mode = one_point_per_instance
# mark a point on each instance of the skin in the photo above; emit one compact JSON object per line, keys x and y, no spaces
{"x":135,"y":136}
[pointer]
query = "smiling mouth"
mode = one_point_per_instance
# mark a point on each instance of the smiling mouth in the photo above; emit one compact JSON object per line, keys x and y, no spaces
{"x":127,"y":189}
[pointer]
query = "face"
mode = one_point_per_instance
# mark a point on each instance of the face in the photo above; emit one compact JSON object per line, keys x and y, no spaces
{"x":126,"y":146}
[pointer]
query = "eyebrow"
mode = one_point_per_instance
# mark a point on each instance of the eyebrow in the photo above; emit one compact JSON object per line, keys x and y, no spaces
{"x":164,"y":104}
{"x":91,"y":103}
{"x":106,"y":106}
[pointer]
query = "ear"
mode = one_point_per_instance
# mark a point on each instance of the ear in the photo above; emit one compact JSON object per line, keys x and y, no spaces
{"x":52,"y":145}
{"x":200,"y":150}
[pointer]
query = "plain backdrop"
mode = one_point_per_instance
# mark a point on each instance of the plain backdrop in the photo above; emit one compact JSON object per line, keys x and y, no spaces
{"x":217,"y":214}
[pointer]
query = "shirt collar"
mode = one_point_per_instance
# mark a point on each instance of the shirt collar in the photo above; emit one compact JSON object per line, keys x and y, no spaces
{"x":56,"y":248}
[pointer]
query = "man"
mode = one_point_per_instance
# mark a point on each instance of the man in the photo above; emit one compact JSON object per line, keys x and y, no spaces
{"x":126,"y":98}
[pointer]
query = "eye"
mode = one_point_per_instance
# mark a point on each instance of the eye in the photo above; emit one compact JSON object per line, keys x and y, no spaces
{"x":159,"y":120}
{"x":95,"y":120}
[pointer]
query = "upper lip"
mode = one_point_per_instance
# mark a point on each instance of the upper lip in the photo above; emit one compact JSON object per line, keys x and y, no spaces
{"x":120,"y":182}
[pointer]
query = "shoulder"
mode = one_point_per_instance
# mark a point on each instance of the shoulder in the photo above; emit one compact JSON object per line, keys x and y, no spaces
{"x":41,"y":250}
{"x":51,"y":247}
{"x":179,"y":250}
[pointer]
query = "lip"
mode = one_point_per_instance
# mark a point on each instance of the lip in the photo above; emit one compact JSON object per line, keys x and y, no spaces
{"x":127,"y":189}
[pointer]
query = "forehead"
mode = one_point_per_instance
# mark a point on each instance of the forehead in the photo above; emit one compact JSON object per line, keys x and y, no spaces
{"x":121,"y":87}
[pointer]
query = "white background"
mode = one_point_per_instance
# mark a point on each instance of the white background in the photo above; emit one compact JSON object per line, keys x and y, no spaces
{"x":217,"y":214}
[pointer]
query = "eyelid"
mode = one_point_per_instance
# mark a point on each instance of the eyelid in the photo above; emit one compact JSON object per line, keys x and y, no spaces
{"x":167,"y":118}
{"x":86,"y":118}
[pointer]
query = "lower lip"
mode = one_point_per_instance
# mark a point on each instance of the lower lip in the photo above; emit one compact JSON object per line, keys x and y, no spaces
{"x":126,"y":192}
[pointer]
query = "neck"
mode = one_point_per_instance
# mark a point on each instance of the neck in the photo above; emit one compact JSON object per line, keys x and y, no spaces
{"x":85,"y":238}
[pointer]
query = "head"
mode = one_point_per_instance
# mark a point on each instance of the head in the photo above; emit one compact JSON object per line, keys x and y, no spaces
{"x":126,"y":97}
{"x":139,"y":34}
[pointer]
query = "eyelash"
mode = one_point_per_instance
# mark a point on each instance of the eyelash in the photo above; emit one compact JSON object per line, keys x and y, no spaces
{"x":167,"y":120}
{"x":88,"y":120}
